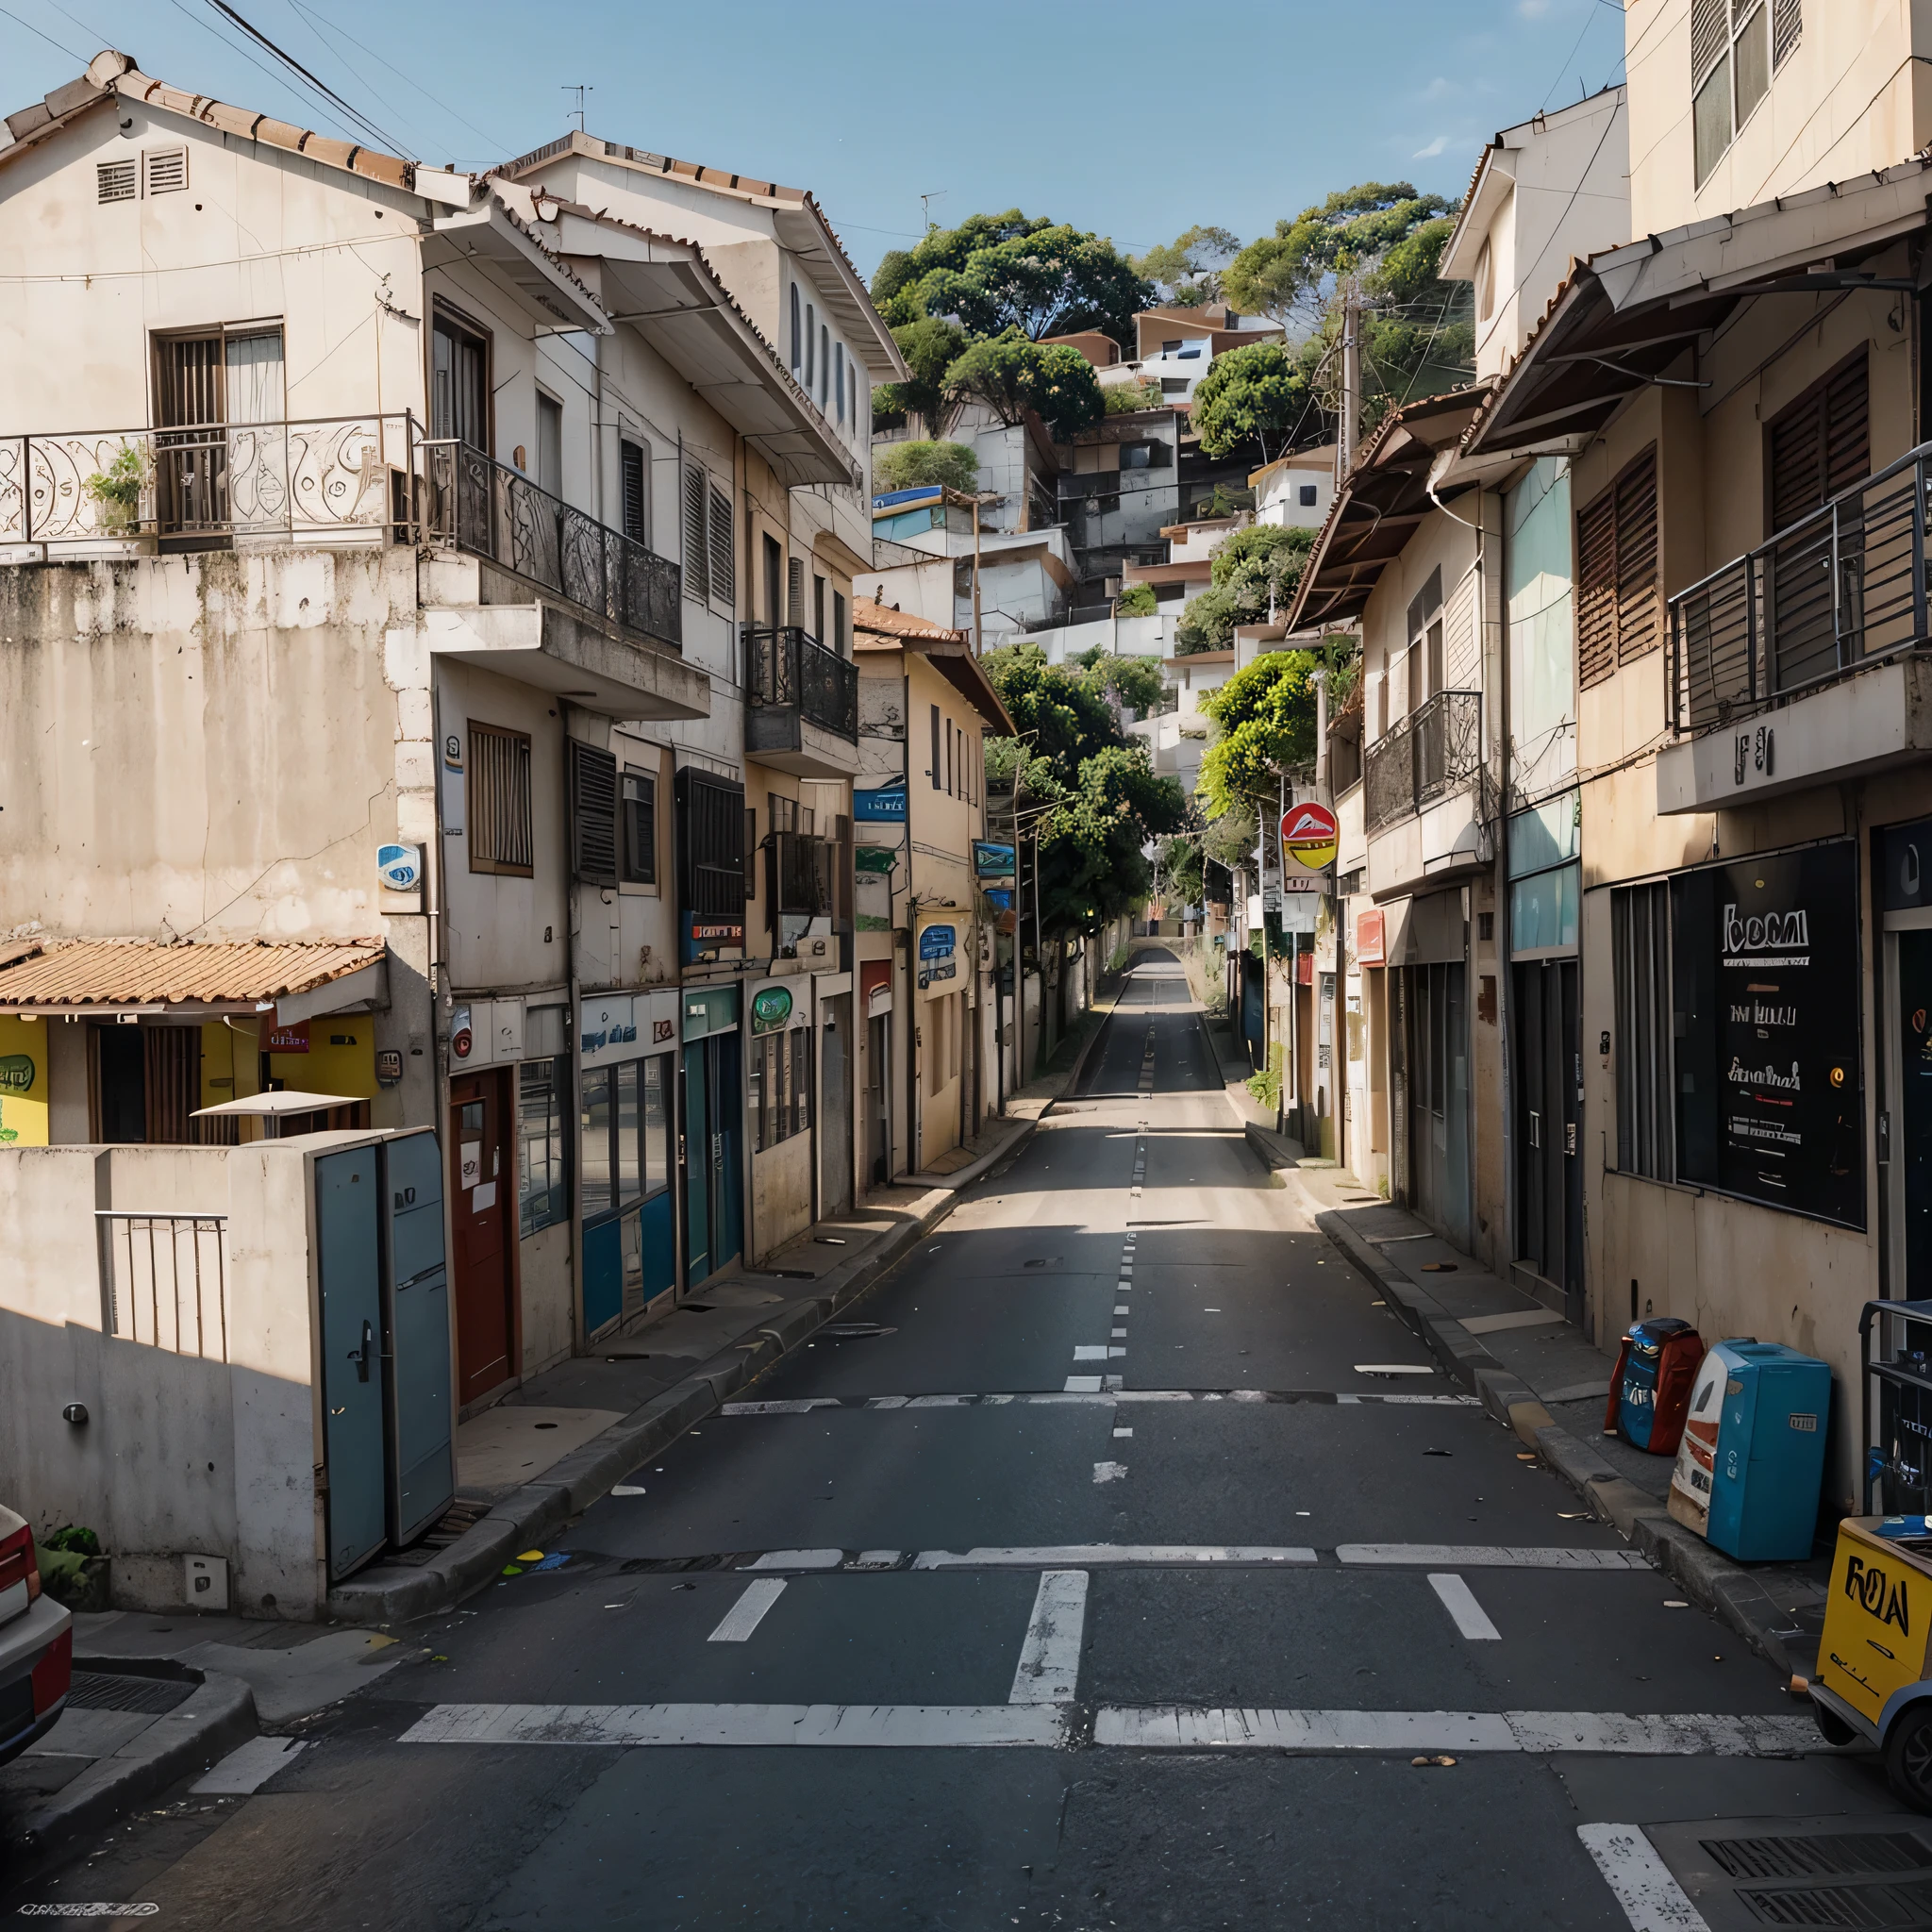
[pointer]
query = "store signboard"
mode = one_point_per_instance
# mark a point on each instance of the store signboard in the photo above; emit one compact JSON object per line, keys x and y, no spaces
{"x":1770,"y":1092}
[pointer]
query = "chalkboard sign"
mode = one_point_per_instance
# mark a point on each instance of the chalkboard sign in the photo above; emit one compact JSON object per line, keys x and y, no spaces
{"x":1770,"y":1097}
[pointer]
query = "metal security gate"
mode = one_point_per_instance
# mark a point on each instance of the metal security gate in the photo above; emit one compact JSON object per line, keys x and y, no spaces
{"x":1548,"y":1106}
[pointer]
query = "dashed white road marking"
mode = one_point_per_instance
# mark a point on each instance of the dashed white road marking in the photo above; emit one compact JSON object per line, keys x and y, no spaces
{"x":798,"y":1559}
{"x":1109,"y":1472}
{"x":1082,"y":1385}
{"x":1486,"y":1556}
{"x":1089,"y":1352}
{"x":981,"y":1725}
{"x":748,"y":1612}
{"x":1653,"y":1901}
{"x":1120,"y":1434}
{"x":1099,"y":1556}
{"x":248,"y":1766}
{"x":1459,"y":1601}
{"x":1049,"y":1669}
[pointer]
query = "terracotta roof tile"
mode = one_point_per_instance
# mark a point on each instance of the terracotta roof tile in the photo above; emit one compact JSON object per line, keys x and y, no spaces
{"x":877,"y":618}
{"x":111,"y":972}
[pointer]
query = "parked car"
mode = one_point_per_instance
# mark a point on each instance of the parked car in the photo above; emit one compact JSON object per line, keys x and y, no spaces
{"x":36,"y":1643}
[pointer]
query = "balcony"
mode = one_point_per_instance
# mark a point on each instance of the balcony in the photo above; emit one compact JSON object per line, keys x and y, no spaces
{"x":131,"y":492}
{"x":471,"y":501}
{"x":1805,"y":647}
{"x":801,"y":704}
{"x":1424,"y":803}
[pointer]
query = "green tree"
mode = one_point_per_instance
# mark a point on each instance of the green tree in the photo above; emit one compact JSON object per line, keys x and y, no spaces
{"x":1013,"y":376}
{"x":1253,"y":579}
{"x":1134,"y":682}
{"x":1264,"y":719}
{"x":1189,"y":271}
{"x":1125,"y":398}
{"x":1181,"y":871}
{"x":907,"y":465}
{"x":1137,"y":600}
{"x":930,"y":345}
{"x":1010,"y":271}
{"x":1418,"y":331}
{"x":1255,"y":396}
{"x":1288,"y":274}
{"x":1099,"y":798}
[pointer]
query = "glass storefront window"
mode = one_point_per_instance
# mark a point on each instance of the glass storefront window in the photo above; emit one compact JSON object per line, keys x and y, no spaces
{"x":1543,"y":910}
{"x":629,"y":1162}
{"x":542,"y":1145}
{"x":598,"y":1106}
{"x":656,"y":1124}
{"x":781,"y":1086}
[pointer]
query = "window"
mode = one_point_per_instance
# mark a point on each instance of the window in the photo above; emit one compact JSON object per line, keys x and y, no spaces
{"x":1736,"y":46}
{"x":781,"y":1086}
{"x":1640,"y":948}
{"x":794,"y":593}
{"x":1425,"y":642}
{"x":711,"y":845}
{"x":1308,"y":494}
{"x":825,"y":361}
{"x":748,"y":881}
{"x":839,"y":378}
{"x":697,"y":577}
{"x":797,"y":332}
{"x":852,"y":378}
{"x":115,"y":180}
{"x":841,"y":624}
{"x":549,"y":445}
{"x":542,"y":1145}
{"x":459,"y":383}
{"x":638,"y":808}
{"x":810,"y":332}
{"x":818,"y":607}
{"x":626,"y":1127}
{"x":938,"y":783}
{"x":592,"y":813}
{"x":1173,"y":385}
{"x":1616,"y":572}
{"x":1170,"y":348}
{"x":498,"y":799}
{"x":1485,"y":283}
{"x":1819,"y":444}
{"x":634,"y":486}
{"x":166,"y":168}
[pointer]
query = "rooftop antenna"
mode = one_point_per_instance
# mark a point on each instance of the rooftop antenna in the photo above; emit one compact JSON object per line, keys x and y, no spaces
{"x":578,"y":89}
{"x":925,"y":209}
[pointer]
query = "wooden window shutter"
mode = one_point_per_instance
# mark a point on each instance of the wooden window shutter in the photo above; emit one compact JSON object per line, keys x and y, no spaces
{"x":723,"y":571}
{"x":794,"y":593}
{"x":1637,"y":576}
{"x":497,"y":801}
{"x":697,"y":580}
{"x":592,"y":814}
{"x":1818,"y":445}
{"x":630,"y":463}
{"x":1597,"y":589}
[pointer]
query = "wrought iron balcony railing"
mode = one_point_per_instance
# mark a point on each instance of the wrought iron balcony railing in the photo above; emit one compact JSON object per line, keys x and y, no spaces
{"x":1837,"y":589}
{"x":334,"y":477}
{"x":784,"y":666}
{"x":474,"y":503}
{"x":1425,"y":755}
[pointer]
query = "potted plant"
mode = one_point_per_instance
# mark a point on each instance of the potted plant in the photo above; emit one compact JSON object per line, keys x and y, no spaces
{"x":117,"y":490}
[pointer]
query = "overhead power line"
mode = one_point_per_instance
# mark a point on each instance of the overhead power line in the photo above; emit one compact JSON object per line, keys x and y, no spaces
{"x":313,"y":81}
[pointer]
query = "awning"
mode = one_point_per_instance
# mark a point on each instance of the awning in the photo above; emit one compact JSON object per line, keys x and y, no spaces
{"x":493,"y":239}
{"x":106,"y":978}
{"x":273,"y":1106}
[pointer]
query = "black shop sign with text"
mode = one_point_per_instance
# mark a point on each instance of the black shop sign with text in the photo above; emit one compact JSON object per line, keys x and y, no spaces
{"x":1770,"y":1103}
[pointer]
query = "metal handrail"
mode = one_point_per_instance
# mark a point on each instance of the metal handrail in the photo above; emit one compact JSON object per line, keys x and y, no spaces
{"x":1844,"y":587}
{"x":472,"y":502}
{"x":785,"y":665}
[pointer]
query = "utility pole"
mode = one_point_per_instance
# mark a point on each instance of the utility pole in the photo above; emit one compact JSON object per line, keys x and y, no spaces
{"x":926,"y":202}
{"x":580,"y":90}
{"x":976,"y":575}
{"x":1348,"y":428}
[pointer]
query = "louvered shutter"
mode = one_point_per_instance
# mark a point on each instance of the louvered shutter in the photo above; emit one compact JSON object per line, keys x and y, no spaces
{"x":794,"y":593}
{"x":1596,"y":588}
{"x":592,"y":814}
{"x":724,"y":573}
{"x":1820,"y":445}
{"x":1847,"y":427}
{"x":1636,"y":583}
{"x":697,"y":578}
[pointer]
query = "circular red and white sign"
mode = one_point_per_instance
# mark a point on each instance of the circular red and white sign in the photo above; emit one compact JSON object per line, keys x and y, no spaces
{"x":1308,"y":835}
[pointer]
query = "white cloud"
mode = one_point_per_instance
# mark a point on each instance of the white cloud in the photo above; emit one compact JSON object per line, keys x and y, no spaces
{"x":1434,"y":148}
{"x":1533,"y":10}
{"x":1436,"y":89}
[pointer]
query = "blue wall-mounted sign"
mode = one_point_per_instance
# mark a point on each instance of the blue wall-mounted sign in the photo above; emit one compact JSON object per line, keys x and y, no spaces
{"x":937,"y":942}
{"x":886,"y":806}
{"x":399,"y":867}
{"x":991,"y":861}
{"x":1000,"y":898}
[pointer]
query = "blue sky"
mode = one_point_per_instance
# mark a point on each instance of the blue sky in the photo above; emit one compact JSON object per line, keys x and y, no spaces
{"x":1127,"y":117}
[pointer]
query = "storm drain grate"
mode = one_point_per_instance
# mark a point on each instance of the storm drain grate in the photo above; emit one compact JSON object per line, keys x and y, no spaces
{"x":1806,"y":1874}
{"x":112,"y":1691}
{"x":1857,"y":1905}
{"x":1819,"y":1857}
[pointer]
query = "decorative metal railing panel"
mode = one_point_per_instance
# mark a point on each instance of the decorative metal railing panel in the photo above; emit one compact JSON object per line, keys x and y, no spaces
{"x":332,"y":476}
{"x":1837,"y":589}
{"x":474,"y":503}
{"x":167,"y":1282}
{"x":784,"y":666}
{"x":1421,"y":757}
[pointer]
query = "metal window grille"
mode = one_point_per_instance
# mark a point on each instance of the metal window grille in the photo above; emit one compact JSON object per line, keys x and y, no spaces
{"x":116,"y":180}
{"x":712,"y":871}
{"x":1787,"y":24}
{"x":1640,"y":945}
{"x":592,"y":813}
{"x":167,"y":170}
{"x":498,"y":801}
{"x":697,"y":581}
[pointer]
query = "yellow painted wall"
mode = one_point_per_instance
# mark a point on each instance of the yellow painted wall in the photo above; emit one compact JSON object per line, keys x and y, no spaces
{"x":348,"y":1069}
{"x":22,"y":1087}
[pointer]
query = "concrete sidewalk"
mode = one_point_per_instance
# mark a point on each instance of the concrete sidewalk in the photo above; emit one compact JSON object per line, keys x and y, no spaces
{"x":1541,"y":1378}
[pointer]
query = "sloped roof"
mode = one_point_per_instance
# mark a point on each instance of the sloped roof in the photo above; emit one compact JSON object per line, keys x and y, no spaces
{"x":898,"y":625}
{"x":949,"y":653}
{"x":104,"y":974}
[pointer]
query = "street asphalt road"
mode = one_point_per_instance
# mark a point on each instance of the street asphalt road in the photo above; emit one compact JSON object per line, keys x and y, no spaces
{"x":1144,"y":1632}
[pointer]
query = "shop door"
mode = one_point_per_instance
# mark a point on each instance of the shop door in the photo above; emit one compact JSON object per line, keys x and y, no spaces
{"x":879,"y":1106}
{"x":1912,"y":1137}
{"x":835,"y":1107}
{"x":349,"y":1282}
{"x":1548,"y":1092}
{"x":697,"y":1162}
{"x":422,"y":1465}
{"x":1439,"y":1099}
{"x":480,"y":1221}
{"x":714,"y":1171}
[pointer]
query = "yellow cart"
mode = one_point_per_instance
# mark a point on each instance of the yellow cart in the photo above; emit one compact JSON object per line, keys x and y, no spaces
{"x":1873,"y":1682}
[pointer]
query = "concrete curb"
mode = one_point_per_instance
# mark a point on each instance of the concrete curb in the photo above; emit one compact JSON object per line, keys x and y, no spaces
{"x":1709,"y":1578}
{"x":218,"y":1716}
{"x":396,"y":1595}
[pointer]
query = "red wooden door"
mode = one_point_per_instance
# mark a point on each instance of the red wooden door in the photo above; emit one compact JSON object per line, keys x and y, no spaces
{"x":480,"y":1194}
